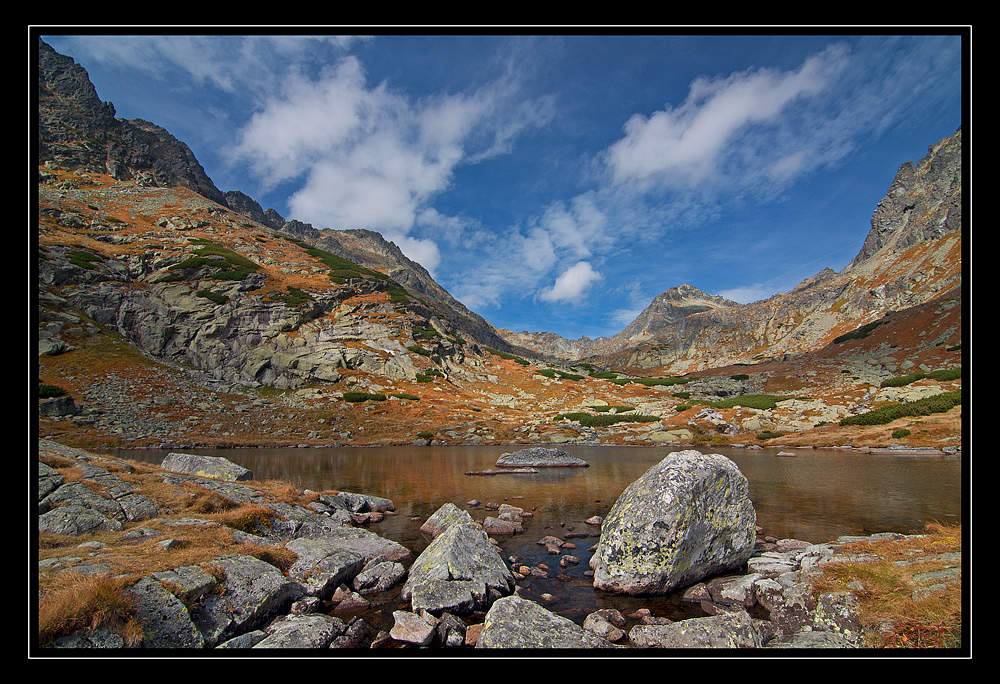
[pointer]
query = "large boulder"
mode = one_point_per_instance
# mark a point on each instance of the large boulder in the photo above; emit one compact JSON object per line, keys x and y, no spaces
{"x":459,"y":572}
{"x":514,"y":622}
{"x":215,"y":467}
{"x":687,"y":518}
{"x":540,"y":457}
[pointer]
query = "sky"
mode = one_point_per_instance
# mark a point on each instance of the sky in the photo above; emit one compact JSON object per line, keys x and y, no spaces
{"x":556,"y":181}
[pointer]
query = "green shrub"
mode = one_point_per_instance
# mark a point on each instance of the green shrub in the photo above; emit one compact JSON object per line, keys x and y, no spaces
{"x":407,"y":396}
{"x":921,"y":407}
{"x":682,"y":407}
{"x":294,"y":297}
{"x":50,"y":391}
{"x":769,"y":434}
{"x":232,"y":266}
{"x":604,"y":419}
{"x":417,"y":349}
{"x":363,"y":396}
{"x":739,"y":376}
{"x":858,"y":334}
{"x":509,"y":357}
{"x":900,"y":433}
{"x":213,"y":296}
{"x":756,"y":401}
{"x":84,"y":260}
{"x":604,"y":375}
{"x":425,"y":435}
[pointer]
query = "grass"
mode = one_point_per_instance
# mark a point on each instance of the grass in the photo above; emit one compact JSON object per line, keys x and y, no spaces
{"x":356,"y":397}
{"x":652,"y":382}
{"x":893,"y":615}
{"x":509,"y":357}
{"x":858,"y":334}
{"x":88,"y":602}
{"x":940,"y":375}
{"x":231,"y":266}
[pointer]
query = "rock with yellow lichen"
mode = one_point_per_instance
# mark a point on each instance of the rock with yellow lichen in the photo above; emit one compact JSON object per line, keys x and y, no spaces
{"x":687,"y":518}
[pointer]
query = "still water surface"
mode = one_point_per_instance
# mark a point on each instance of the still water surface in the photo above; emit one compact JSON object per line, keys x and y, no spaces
{"x":816,"y":496}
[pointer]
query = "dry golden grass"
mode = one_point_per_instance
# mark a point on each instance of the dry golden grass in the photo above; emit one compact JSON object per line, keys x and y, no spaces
{"x":894,"y":616}
{"x":87,"y":602}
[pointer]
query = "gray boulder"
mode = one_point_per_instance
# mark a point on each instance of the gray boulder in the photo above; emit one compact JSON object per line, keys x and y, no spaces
{"x":540,"y":457}
{"x":322,"y":565}
{"x":166,"y":622}
{"x":687,"y":518}
{"x":515,"y":622}
{"x":443,"y":518}
{"x":206,"y":466}
{"x":302,"y":631}
{"x":459,"y":571}
{"x":253,"y":592}
{"x":729,"y":630}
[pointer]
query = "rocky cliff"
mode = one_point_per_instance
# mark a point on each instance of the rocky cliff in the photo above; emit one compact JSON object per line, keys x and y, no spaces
{"x":76,"y":130}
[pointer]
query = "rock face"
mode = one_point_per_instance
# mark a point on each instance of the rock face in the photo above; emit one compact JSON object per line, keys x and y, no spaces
{"x":687,"y":518}
{"x":910,"y":256}
{"x":77,"y":130}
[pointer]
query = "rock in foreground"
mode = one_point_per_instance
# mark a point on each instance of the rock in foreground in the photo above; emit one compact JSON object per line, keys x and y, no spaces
{"x":687,"y":518}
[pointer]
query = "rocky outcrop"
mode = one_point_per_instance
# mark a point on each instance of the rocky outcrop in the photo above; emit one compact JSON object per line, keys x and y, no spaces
{"x":77,"y":130}
{"x":687,"y":518}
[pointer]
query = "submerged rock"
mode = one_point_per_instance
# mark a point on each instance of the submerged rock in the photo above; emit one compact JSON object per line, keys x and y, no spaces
{"x":687,"y":518}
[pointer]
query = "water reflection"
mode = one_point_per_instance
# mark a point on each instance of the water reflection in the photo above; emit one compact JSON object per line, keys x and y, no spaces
{"x":816,"y":496}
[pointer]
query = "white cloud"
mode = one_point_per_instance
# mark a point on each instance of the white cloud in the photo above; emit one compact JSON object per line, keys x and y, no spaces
{"x":572,"y":284}
{"x":686,"y":145}
{"x":748,"y":293}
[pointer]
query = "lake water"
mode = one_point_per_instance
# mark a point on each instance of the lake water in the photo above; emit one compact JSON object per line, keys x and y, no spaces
{"x":816,"y":496}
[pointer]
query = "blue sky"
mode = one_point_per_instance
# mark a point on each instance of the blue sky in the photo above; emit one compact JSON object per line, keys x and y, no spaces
{"x":557,"y":182}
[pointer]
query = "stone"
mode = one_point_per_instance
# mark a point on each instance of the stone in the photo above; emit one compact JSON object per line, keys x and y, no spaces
{"x":445,"y":516}
{"x":214,"y":467}
{"x":687,"y":518}
{"x":728,"y":630}
{"x":515,"y":622}
{"x":411,"y":628}
{"x":540,"y":457}
{"x":462,"y":554}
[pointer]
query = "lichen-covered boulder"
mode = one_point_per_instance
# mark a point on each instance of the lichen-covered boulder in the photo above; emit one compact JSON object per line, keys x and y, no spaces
{"x":459,"y":571}
{"x":687,"y":518}
{"x":514,"y":622}
{"x":215,"y":467}
{"x":540,"y":457}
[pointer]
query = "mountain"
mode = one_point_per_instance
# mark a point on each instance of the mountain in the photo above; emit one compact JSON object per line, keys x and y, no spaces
{"x":912,"y":254}
{"x":170,"y":313}
{"x":76,"y":130}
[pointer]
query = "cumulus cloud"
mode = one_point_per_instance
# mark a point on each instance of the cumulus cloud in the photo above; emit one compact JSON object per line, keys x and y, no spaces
{"x":685,"y":145}
{"x":572,"y":284}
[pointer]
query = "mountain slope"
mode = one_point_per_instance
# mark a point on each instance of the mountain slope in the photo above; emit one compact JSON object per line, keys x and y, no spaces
{"x":913,"y":253}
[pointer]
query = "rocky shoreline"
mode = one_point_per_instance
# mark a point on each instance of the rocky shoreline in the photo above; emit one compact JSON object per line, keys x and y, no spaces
{"x":348,"y":588}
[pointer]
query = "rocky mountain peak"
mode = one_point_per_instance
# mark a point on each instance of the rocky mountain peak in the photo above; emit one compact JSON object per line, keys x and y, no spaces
{"x":76,"y":130}
{"x":923,"y":203}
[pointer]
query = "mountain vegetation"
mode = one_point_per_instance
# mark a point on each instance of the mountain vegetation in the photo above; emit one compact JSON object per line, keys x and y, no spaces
{"x":172,"y":313}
